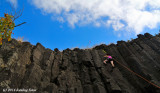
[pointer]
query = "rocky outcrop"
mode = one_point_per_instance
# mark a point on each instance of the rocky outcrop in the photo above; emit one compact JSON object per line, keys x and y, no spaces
{"x":29,"y":68}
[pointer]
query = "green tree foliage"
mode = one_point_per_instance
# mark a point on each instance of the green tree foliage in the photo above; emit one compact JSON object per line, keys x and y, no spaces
{"x":6,"y":26}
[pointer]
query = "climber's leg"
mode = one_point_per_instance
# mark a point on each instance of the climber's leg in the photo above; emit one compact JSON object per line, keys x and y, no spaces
{"x":112,"y":63}
{"x":104,"y":61}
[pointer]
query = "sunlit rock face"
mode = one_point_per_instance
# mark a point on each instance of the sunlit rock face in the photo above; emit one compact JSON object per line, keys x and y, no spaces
{"x":28,"y":68}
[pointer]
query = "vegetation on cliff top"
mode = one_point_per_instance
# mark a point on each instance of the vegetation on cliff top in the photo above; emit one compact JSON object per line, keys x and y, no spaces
{"x":6,"y":26}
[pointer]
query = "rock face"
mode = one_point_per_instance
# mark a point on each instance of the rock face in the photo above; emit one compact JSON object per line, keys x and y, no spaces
{"x":24,"y":66}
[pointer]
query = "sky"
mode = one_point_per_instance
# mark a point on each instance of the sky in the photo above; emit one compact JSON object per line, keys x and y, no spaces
{"x":82,"y":23}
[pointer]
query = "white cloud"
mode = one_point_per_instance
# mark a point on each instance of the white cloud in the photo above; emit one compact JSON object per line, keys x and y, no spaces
{"x":126,"y":15}
{"x":97,"y":24}
{"x":60,"y":19}
{"x":13,"y":2}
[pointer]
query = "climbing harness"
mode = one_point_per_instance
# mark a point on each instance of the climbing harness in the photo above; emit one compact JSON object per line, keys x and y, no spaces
{"x":136,"y":74}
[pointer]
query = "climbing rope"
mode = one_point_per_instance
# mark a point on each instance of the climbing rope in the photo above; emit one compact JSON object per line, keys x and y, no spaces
{"x":137,"y":74}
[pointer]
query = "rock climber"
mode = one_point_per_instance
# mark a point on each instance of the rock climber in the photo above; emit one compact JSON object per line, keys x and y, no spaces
{"x":109,"y":59}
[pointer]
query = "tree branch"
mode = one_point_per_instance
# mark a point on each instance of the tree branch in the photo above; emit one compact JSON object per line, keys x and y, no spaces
{"x":20,"y":24}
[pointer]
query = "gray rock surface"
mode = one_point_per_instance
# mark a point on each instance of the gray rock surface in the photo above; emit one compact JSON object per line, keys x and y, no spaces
{"x":25,"y":66}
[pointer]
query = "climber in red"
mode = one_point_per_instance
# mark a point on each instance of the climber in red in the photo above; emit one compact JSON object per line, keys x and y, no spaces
{"x":109,"y":59}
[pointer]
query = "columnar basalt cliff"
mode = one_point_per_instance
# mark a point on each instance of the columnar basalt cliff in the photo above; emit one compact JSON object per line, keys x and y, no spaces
{"x":24,"y":66}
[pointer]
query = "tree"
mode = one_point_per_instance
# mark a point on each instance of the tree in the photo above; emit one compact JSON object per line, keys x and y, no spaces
{"x":7,"y":25}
